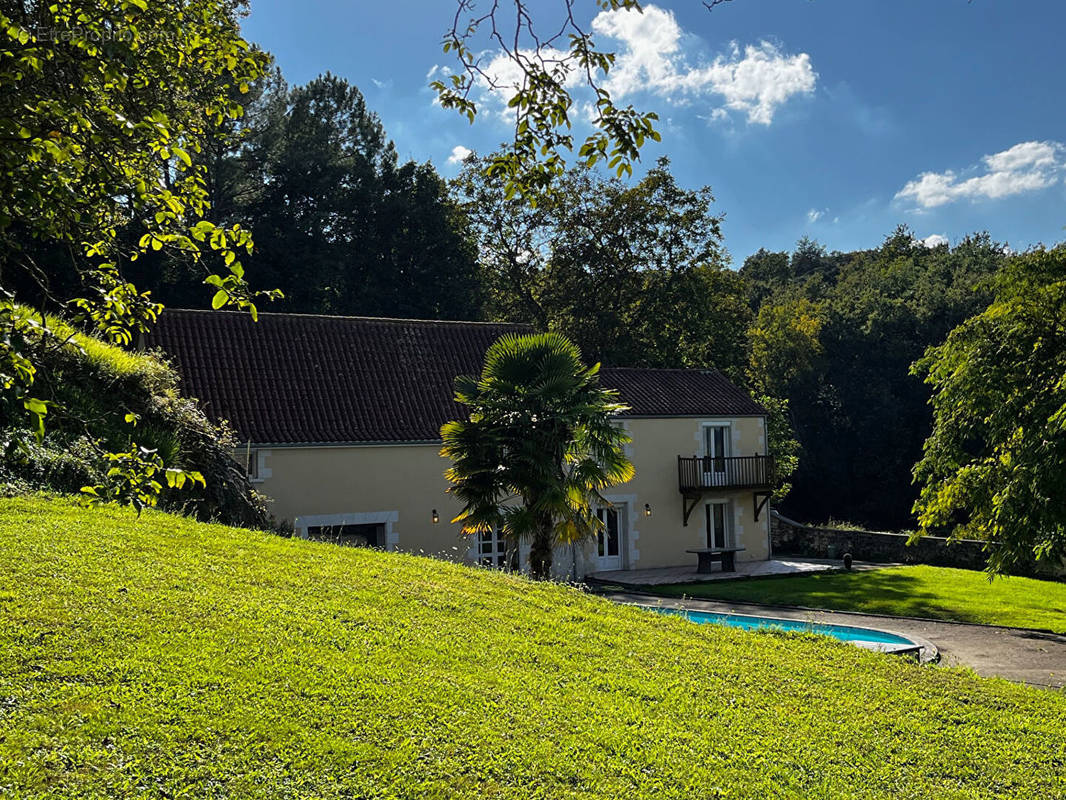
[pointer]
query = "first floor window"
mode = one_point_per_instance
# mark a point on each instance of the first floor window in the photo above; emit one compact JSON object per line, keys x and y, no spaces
{"x":717,"y":524}
{"x":492,"y":549}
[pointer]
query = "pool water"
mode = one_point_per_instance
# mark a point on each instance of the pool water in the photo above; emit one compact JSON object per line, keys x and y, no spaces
{"x":868,"y":638}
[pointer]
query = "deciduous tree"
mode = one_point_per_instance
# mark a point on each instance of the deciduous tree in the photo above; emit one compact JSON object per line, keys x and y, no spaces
{"x":994,"y":467}
{"x":105,"y":108}
{"x":634,"y":274}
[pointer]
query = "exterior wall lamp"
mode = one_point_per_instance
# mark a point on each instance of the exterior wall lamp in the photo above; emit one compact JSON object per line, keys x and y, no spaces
{"x":435,"y":517}
{"x":647,"y":510}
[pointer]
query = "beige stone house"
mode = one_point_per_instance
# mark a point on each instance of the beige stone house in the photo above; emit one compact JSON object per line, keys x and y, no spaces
{"x":341,"y":419}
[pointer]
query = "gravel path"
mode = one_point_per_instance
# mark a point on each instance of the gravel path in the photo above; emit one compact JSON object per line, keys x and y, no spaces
{"x":1016,"y":654}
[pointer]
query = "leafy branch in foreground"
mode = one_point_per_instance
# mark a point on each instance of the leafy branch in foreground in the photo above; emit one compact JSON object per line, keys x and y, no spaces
{"x":543,"y":64}
{"x":133,"y":479}
{"x":107,"y":110}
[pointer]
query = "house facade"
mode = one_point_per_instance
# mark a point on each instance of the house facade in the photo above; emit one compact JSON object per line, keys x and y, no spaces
{"x":340,"y":417}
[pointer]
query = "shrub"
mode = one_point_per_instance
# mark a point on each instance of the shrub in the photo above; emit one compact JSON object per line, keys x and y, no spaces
{"x":104,"y":399}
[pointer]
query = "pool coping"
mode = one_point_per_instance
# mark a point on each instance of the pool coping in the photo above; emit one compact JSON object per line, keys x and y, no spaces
{"x":929,"y":653}
{"x":879,"y":615}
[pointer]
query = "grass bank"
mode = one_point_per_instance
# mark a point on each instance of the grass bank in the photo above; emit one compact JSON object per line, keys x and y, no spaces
{"x":156,"y":656}
{"x":936,"y":592}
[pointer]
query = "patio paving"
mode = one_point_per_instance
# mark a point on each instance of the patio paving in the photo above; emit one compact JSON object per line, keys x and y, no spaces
{"x":745,"y":569}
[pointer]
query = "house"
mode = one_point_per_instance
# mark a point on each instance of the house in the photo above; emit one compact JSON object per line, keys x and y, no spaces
{"x":341,"y":417}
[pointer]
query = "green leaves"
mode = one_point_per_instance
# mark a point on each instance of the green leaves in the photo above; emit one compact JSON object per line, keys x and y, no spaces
{"x":131,"y":479}
{"x":994,"y":467}
{"x":103,"y":118}
{"x":541,"y":100}
{"x":539,"y":429}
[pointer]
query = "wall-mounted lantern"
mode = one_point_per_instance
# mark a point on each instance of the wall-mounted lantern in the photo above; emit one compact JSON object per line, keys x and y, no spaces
{"x":647,"y":510}
{"x":436,"y":517}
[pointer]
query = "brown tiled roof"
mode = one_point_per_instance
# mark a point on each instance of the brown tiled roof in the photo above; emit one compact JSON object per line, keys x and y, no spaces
{"x":303,"y":379}
{"x":678,"y":393}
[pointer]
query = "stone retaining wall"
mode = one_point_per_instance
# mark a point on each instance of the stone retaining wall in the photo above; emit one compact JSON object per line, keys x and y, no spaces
{"x":793,"y":538}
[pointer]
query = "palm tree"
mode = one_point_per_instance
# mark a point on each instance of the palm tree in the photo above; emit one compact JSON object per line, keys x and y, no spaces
{"x":538,"y":447}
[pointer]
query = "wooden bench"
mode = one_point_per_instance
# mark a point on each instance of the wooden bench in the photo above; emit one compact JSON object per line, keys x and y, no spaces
{"x":708,"y":555}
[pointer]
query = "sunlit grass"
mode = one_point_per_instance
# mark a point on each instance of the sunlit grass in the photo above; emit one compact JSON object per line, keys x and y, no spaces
{"x":158,"y":657}
{"x":937,"y":592}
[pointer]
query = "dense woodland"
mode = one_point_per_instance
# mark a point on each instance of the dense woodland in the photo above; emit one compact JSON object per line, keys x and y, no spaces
{"x":634,"y":272}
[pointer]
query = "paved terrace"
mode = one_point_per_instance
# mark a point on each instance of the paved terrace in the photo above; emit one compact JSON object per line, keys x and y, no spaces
{"x":745,"y":569}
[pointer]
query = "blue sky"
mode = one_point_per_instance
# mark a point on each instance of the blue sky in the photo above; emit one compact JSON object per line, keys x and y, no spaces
{"x":836,"y":119}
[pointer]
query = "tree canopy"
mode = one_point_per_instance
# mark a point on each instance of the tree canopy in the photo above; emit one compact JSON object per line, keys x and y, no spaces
{"x":994,"y":467}
{"x":634,"y":274}
{"x":341,"y":227}
{"x":835,"y":335}
{"x":106,"y":111}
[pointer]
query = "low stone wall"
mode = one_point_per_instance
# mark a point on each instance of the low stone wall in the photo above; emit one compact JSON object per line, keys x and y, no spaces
{"x":793,"y":538}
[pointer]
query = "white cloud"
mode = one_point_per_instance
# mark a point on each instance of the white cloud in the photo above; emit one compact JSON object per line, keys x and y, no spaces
{"x":502,"y":77}
{"x":654,"y":54}
{"x":757,"y":83}
{"x":386,"y":84}
{"x":754,"y":81}
{"x":1026,"y":167}
{"x":934,"y":240}
{"x":814,"y":215}
{"x":459,"y":154}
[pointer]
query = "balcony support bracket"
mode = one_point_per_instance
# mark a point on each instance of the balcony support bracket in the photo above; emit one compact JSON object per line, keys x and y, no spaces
{"x":760,"y":500}
{"x":688,"y":505}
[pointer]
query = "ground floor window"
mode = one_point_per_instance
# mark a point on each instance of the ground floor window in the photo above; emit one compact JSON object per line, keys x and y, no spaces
{"x":372,"y":535}
{"x":718,"y":528}
{"x":492,"y":549}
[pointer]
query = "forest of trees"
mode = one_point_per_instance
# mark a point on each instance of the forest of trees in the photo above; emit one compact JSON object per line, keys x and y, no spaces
{"x":634,"y":272}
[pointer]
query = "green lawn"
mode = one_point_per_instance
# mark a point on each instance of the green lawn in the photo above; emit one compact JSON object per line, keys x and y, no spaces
{"x":936,"y":592}
{"x":158,"y":657}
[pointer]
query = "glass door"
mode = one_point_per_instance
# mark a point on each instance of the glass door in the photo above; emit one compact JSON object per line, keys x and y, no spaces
{"x":492,"y":549}
{"x":716,"y":443}
{"x":717,"y":524}
{"x":609,"y":539}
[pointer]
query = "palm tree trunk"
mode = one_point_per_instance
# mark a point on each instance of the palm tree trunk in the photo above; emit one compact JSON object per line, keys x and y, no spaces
{"x":540,"y":553}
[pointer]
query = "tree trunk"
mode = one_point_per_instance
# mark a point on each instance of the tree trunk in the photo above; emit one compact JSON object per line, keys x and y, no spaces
{"x":540,"y":553}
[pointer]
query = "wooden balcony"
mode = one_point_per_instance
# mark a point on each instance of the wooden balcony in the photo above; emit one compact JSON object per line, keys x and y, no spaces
{"x":736,"y":472}
{"x":700,"y":476}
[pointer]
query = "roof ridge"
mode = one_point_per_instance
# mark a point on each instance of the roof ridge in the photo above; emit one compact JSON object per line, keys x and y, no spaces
{"x":666,"y":369}
{"x":206,"y":311}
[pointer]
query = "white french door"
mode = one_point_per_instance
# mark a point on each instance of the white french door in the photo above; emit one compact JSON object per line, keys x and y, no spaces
{"x":716,"y":447}
{"x":491,"y":549}
{"x":717,"y":522}
{"x":609,"y":541}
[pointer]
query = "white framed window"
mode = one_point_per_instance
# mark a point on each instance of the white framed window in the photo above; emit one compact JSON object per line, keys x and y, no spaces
{"x":718,"y":523}
{"x":491,"y":549}
{"x":374,"y":528}
{"x":254,"y":461}
{"x":611,"y":545}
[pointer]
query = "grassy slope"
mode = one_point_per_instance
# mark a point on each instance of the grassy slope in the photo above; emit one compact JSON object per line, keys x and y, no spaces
{"x":157,"y":656}
{"x":937,"y":592}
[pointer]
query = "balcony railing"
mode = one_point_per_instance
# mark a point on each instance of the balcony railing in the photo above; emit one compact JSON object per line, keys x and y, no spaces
{"x":697,"y":474}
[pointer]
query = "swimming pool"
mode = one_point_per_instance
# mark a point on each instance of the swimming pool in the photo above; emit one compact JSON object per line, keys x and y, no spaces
{"x":868,"y":638}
